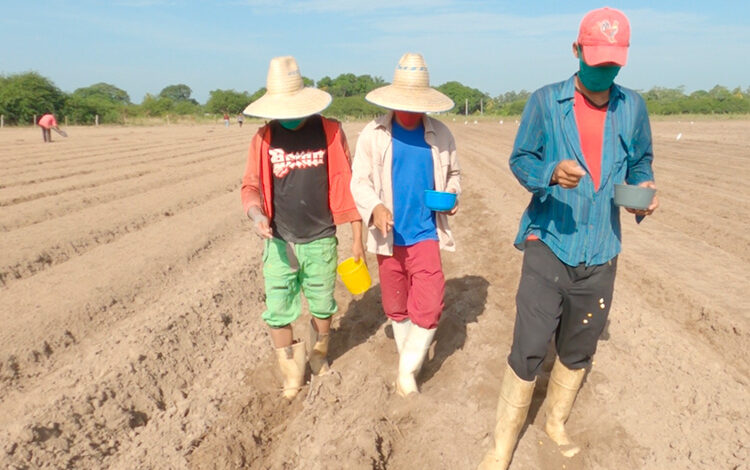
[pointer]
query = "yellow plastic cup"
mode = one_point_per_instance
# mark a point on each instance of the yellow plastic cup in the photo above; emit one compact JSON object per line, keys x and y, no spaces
{"x":355,"y":275}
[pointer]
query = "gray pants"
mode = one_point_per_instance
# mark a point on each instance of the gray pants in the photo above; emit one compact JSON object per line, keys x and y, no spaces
{"x":570,"y":302}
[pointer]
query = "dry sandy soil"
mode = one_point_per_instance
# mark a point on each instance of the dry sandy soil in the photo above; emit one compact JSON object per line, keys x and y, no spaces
{"x":131,"y":294}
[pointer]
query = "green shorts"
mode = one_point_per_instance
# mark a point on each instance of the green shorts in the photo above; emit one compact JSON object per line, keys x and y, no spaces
{"x":314,"y":276}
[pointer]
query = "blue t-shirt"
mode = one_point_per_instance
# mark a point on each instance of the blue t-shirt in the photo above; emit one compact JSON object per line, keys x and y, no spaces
{"x":412,"y":173}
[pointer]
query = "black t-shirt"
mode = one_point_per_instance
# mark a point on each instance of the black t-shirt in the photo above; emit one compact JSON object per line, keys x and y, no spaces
{"x":299,"y":160}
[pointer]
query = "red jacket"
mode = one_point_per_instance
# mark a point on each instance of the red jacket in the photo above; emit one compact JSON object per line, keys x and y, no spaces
{"x":257,"y":182}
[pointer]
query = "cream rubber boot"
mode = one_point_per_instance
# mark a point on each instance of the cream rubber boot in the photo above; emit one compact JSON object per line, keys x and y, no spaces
{"x":512,"y":408}
{"x":292,"y":364}
{"x":561,"y":393}
{"x":400,"y":332}
{"x":319,"y":352}
{"x":413,"y":352}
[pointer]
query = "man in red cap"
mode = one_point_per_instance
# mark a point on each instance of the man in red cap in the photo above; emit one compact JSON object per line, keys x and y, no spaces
{"x":577,"y":139}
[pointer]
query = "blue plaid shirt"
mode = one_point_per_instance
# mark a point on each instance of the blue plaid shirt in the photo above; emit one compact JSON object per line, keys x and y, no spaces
{"x":579,"y":225}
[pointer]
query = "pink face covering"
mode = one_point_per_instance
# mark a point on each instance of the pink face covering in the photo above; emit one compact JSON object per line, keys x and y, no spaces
{"x":408,"y":119}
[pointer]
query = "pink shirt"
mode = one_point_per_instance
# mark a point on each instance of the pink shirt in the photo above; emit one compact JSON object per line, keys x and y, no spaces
{"x":590,"y":120}
{"x":47,"y":121}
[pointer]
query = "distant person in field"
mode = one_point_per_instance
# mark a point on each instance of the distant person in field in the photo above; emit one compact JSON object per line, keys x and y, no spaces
{"x":47,"y":122}
{"x":226,"y":120}
{"x":576,"y":140}
{"x":400,"y":155}
{"x":296,"y":190}
{"x":240,"y":119}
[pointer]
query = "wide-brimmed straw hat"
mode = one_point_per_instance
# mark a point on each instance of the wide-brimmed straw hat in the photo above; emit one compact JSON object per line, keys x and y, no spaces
{"x":286,"y":96}
{"x":410,"y":90}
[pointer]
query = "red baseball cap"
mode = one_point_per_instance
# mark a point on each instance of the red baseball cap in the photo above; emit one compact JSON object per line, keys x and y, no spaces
{"x":604,"y":35}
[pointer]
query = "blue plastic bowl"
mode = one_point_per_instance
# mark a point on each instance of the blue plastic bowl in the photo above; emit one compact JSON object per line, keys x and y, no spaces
{"x":633,"y":197}
{"x":439,"y":200}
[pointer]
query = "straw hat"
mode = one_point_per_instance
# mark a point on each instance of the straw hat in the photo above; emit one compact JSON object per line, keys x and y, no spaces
{"x":410,"y":90}
{"x":286,"y":96}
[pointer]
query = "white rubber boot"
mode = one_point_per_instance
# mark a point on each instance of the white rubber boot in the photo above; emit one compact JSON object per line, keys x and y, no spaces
{"x":292,"y":364}
{"x":400,"y":331}
{"x":561,"y":393}
{"x":512,"y":408}
{"x":415,"y":348}
{"x":319,"y":353}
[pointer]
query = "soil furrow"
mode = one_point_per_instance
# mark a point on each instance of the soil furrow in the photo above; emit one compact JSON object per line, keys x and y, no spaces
{"x":38,"y":210}
{"x":145,"y":348}
{"x":62,"y":239}
{"x":86,"y":292}
{"x":129,"y":157}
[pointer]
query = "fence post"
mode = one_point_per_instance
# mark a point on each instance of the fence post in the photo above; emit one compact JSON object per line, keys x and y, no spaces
{"x":466,"y":107}
{"x":34,"y":121}
{"x":96,"y":120}
{"x":481,"y":106}
{"x":66,"y":121}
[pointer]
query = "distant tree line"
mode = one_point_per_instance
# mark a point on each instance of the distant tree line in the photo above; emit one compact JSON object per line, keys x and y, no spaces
{"x":718,"y":100}
{"x":25,"y":95}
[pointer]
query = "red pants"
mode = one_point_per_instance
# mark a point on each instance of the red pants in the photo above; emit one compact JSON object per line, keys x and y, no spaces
{"x":412,"y":283}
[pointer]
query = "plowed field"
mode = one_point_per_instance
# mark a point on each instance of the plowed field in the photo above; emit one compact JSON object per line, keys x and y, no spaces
{"x":131,"y":294}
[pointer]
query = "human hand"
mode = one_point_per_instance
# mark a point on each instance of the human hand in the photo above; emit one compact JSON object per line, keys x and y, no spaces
{"x":358,"y":250}
{"x":382,"y":219}
{"x":654,"y":202}
{"x":568,"y":174}
{"x":260,"y":222}
{"x":455,"y":208}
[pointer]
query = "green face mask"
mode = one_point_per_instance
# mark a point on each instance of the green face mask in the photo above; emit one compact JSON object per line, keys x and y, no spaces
{"x":596,"y":78}
{"x":290,"y":124}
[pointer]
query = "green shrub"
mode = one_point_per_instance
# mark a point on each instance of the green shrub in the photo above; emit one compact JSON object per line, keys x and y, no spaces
{"x":27,"y":94}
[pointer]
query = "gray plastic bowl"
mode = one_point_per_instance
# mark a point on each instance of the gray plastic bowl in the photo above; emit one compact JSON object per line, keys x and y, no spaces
{"x":633,"y":197}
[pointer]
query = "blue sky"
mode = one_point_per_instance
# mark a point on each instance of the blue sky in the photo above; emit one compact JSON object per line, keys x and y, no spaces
{"x":142,"y":46}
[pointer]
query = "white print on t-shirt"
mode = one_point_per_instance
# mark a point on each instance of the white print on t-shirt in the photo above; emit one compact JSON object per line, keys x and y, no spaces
{"x":284,"y":162}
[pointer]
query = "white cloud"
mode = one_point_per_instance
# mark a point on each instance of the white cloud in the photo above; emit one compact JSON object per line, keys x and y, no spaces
{"x":351,"y":6}
{"x":143,"y":3}
{"x":481,"y":22}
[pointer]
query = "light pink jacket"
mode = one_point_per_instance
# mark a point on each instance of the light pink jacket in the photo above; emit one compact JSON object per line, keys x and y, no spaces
{"x":371,"y":176}
{"x":48,"y":121}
